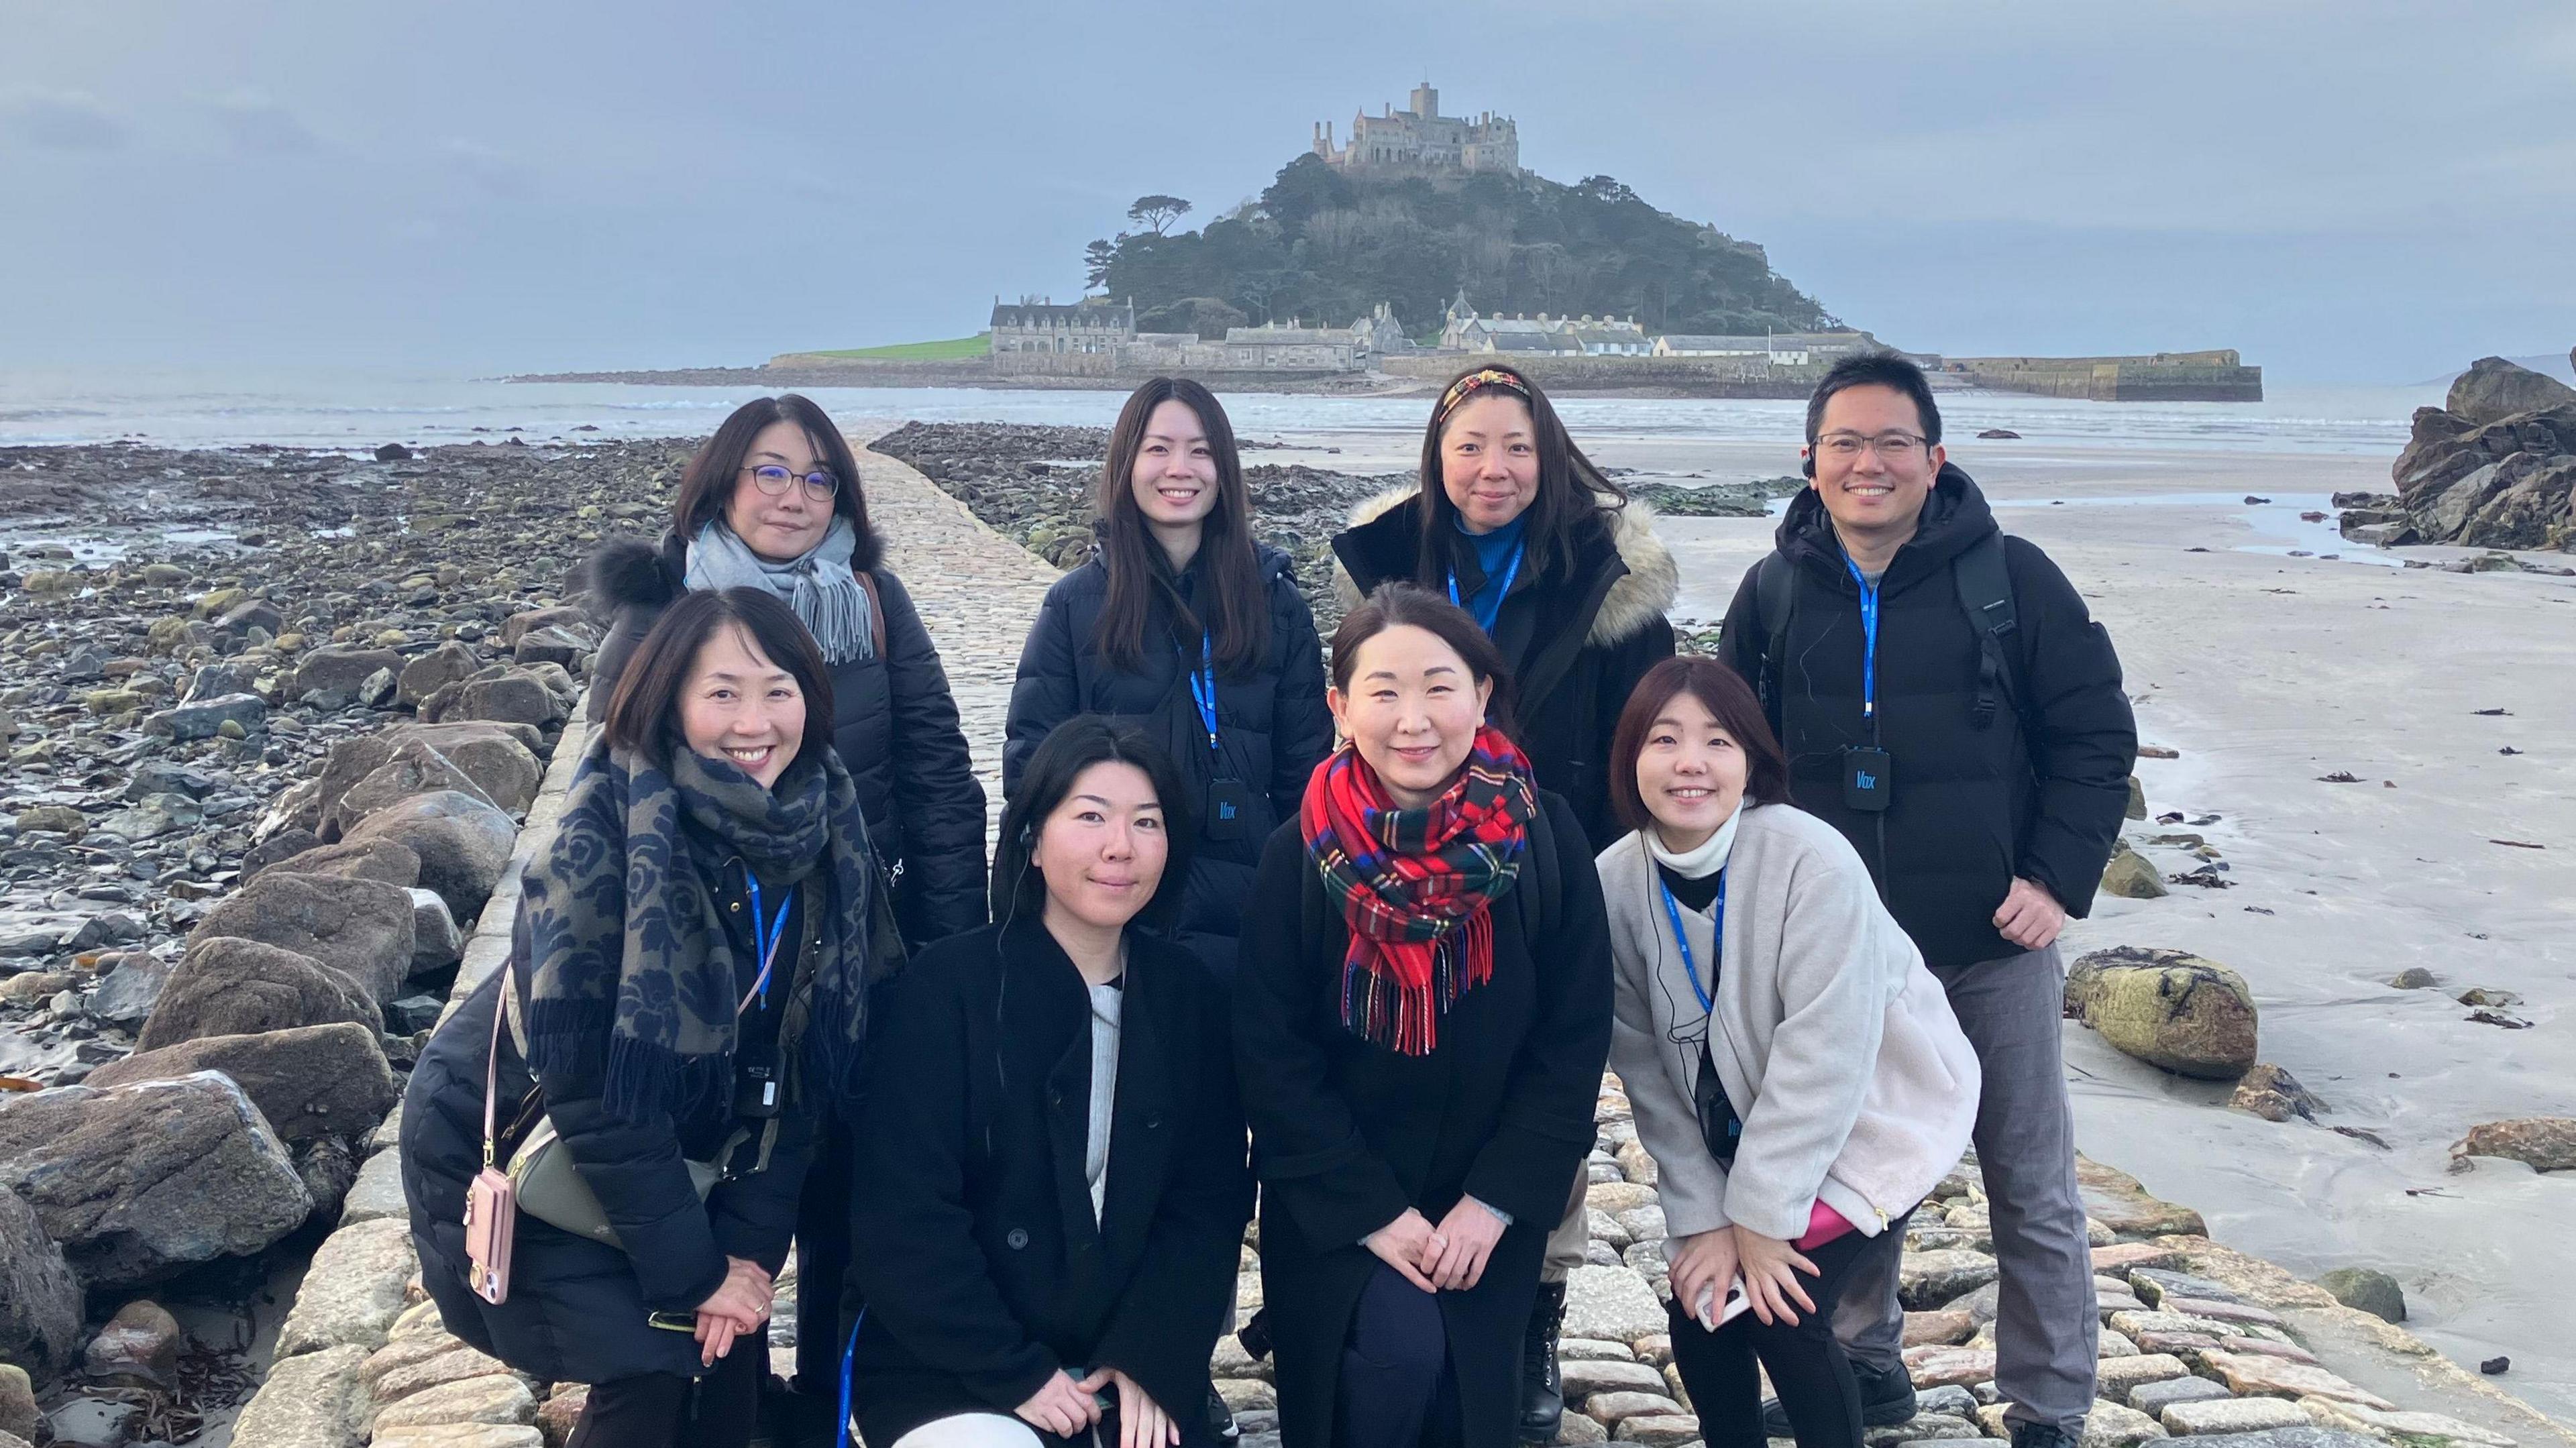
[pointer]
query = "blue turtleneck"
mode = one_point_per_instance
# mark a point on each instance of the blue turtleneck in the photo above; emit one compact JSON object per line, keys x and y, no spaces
{"x":1493,"y":555}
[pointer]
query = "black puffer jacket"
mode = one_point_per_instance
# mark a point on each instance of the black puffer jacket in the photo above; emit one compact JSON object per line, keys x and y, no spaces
{"x":894,"y":725}
{"x":1272,"y":725}
{"x":1577,"y":640}
{"x":2038,"y":792}
{"x":578,"y":1309}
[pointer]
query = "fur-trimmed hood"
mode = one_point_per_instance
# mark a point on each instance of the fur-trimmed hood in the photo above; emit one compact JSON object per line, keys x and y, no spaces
{"x":629,"y":572}
{"x":1652,"y":584}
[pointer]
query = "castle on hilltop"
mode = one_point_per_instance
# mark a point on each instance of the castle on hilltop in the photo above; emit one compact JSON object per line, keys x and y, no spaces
{"x":1424,"y":139}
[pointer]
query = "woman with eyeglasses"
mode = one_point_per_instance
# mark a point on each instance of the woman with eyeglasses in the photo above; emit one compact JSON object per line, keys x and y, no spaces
{"x":772,"y":502}
{"x":1512,"y":523}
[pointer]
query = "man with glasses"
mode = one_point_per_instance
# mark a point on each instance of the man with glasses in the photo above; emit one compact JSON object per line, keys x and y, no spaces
{"x":1947,"y":702}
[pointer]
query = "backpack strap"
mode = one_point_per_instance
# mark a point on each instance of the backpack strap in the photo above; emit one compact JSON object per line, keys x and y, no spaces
{"x":1775,"y":594}
{"x":876,"y":611}
{"x":1985,"y":594}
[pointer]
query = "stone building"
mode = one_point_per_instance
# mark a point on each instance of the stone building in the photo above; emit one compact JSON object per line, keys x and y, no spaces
{"x":1779,"y":351}
{"x":1291,"y":347}
{"x":1463,"y":329}
{"x":1379,"y":335}
{"x":1037,"y":324}
{"x":1423,"y":139}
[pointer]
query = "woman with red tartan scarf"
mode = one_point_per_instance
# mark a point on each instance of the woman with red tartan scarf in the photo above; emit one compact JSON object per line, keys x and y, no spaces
{"x":1422,"y":1012}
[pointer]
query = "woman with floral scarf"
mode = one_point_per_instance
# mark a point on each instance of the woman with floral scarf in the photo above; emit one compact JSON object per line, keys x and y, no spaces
{"x":1422,"y":1013}
{"x":686,"y":988}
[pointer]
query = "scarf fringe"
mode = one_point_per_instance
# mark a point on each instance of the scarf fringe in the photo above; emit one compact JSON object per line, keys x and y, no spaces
{"x":1405,"y":1017}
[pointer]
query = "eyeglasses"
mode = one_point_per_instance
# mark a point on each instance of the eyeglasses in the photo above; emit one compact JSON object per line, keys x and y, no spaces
{"x":772,"y":480}
{"x":1891,"y":447}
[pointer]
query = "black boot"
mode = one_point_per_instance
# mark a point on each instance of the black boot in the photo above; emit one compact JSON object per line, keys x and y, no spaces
{"x":1886,"y":1399}
{"x":1542,"y":1391}
{"x":1221,"y":1419}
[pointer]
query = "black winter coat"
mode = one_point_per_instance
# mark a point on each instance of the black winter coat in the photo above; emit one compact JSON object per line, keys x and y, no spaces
{"x":983,"y":1268}
{"x":895,"y":727}
{"x":2039,"y":792}
{"x":1346,"y":1134}
{"x":1272,"y":725}
{"x":1577,"y":640}
{"x":577,"y":1310}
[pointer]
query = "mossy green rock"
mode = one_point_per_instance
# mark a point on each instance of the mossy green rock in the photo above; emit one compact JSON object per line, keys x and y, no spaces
{"x":2132,"y":876}
{"x":2169,"y":1008}
{"x":2373,"y":1292}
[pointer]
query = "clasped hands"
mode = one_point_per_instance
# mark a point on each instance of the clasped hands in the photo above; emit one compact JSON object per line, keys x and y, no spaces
{"x":1446,"y":1258}
{"x":1708,"y":1261}
{"x":737,"y":1308}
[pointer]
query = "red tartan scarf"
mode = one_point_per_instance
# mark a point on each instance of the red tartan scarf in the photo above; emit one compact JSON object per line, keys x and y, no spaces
{"x":1417,"y":886}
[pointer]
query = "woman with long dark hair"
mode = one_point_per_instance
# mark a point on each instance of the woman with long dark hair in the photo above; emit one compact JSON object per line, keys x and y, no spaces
{"x":772,"y":501}
{"x":686,"y":991}
{"x":1512,"y":522}
{"x":1796,"y":1072}
{"x":1184,"y":625}
{"x":1051,"y":1153}
{"x":1421,"y":1018}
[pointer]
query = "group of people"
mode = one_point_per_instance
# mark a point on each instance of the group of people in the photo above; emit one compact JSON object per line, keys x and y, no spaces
{"x":1346,"y":932}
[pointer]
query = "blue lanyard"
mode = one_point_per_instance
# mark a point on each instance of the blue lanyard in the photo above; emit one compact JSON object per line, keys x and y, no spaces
{"x":1486,"y":617}
{"x":767,"y":935}
{"x":1203,"y":687}
{"x":1690,"y":967}
{"x":1869,"y":643}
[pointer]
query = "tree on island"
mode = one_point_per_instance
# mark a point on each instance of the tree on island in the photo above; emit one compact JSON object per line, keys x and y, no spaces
{"x":1327,"y":246}
{"x":1158,"y":212}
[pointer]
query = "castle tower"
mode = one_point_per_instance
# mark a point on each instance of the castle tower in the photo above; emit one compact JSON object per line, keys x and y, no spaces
{"x":1426,"y":101}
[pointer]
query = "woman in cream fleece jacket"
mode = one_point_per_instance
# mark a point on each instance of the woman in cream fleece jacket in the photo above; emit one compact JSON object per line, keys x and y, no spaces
{"x":1795,"y":1071}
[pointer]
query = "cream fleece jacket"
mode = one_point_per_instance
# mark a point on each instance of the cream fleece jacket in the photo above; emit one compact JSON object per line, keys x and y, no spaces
{"x":1835,"y":1044}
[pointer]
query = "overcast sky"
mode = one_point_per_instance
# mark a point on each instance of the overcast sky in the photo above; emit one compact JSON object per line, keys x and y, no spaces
{"x":2345,"y":190}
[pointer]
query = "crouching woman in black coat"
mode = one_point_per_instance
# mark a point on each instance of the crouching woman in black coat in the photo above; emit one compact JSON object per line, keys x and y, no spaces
{"x":1051,"y":1185}
{"x":686,"y":986}
{"x":1422,"y":1013}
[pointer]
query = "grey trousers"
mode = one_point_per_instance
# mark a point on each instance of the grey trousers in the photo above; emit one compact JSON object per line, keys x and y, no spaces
{"x":1571,"y":1239}
{"x":2046,"y":1323}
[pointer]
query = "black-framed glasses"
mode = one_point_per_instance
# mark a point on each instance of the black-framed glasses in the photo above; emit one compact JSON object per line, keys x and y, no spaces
{"x":772,"y":480}
{"x":1891,"y":447}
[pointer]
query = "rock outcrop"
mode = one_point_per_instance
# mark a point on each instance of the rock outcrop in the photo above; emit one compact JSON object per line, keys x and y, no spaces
{"x":2493,"y":467}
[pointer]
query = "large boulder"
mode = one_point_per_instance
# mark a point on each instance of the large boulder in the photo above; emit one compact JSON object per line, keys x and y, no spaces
{"x":226,"y":986}
{"x":311,"y":1081}
{"x":463,"y":842}
{"x":362,"y":928}
{"x":413,"y":768}
{"x":500,"y":758}
{"x":2494,"y":389}
{"x":339,"y":671}
{"x":40,"y":1302}
{"x":138,"y":1182}
{"x":388,"y":860}
{"x":510,"y":696}
{"x":433,"y":671}
{"x":2191,"y":1016}
{"x":2543,"y":1143}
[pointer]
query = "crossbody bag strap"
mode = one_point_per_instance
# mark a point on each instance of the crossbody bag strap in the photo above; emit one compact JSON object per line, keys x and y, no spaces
{"x":492,"y":1074}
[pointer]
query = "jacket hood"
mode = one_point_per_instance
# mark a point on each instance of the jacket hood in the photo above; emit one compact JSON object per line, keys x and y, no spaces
{"x":1647,"y":592}
{"x":1954,"y":516}
{"x":630,"y":573}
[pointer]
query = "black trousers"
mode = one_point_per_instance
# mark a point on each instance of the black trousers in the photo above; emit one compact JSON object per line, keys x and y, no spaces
{"x":1396,"y":1389}
{"x":1807,"y":1365}
{"x":665,"y":1410}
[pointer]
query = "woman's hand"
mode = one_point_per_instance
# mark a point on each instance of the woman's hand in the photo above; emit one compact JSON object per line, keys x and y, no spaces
{"x":1062,"y":1407}
{"x":1466,"y":1238}
{"x":1142,"y":1423}
{"x":1408,"y":1245}
{"x":738,"y":1306}
{"x":1771,"y":1267}
{"x":1705,"y":1261}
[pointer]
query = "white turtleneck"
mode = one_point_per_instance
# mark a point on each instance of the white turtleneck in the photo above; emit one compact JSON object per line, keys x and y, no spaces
{"x":1709,"y":858}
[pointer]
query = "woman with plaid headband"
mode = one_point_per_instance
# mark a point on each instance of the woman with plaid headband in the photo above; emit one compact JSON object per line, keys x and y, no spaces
{"x":1422,"y":1012}
{"x":1512,"y":522}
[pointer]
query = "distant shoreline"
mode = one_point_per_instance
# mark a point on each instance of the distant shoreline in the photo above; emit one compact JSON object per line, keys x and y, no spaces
{"x":1303,"y":384}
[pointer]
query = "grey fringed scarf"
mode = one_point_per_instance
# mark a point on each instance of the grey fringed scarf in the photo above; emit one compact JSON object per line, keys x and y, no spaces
{"x":819,"y":585}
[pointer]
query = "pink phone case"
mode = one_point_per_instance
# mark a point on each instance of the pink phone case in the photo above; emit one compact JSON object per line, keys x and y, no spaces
{"x":491,"y":1221}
